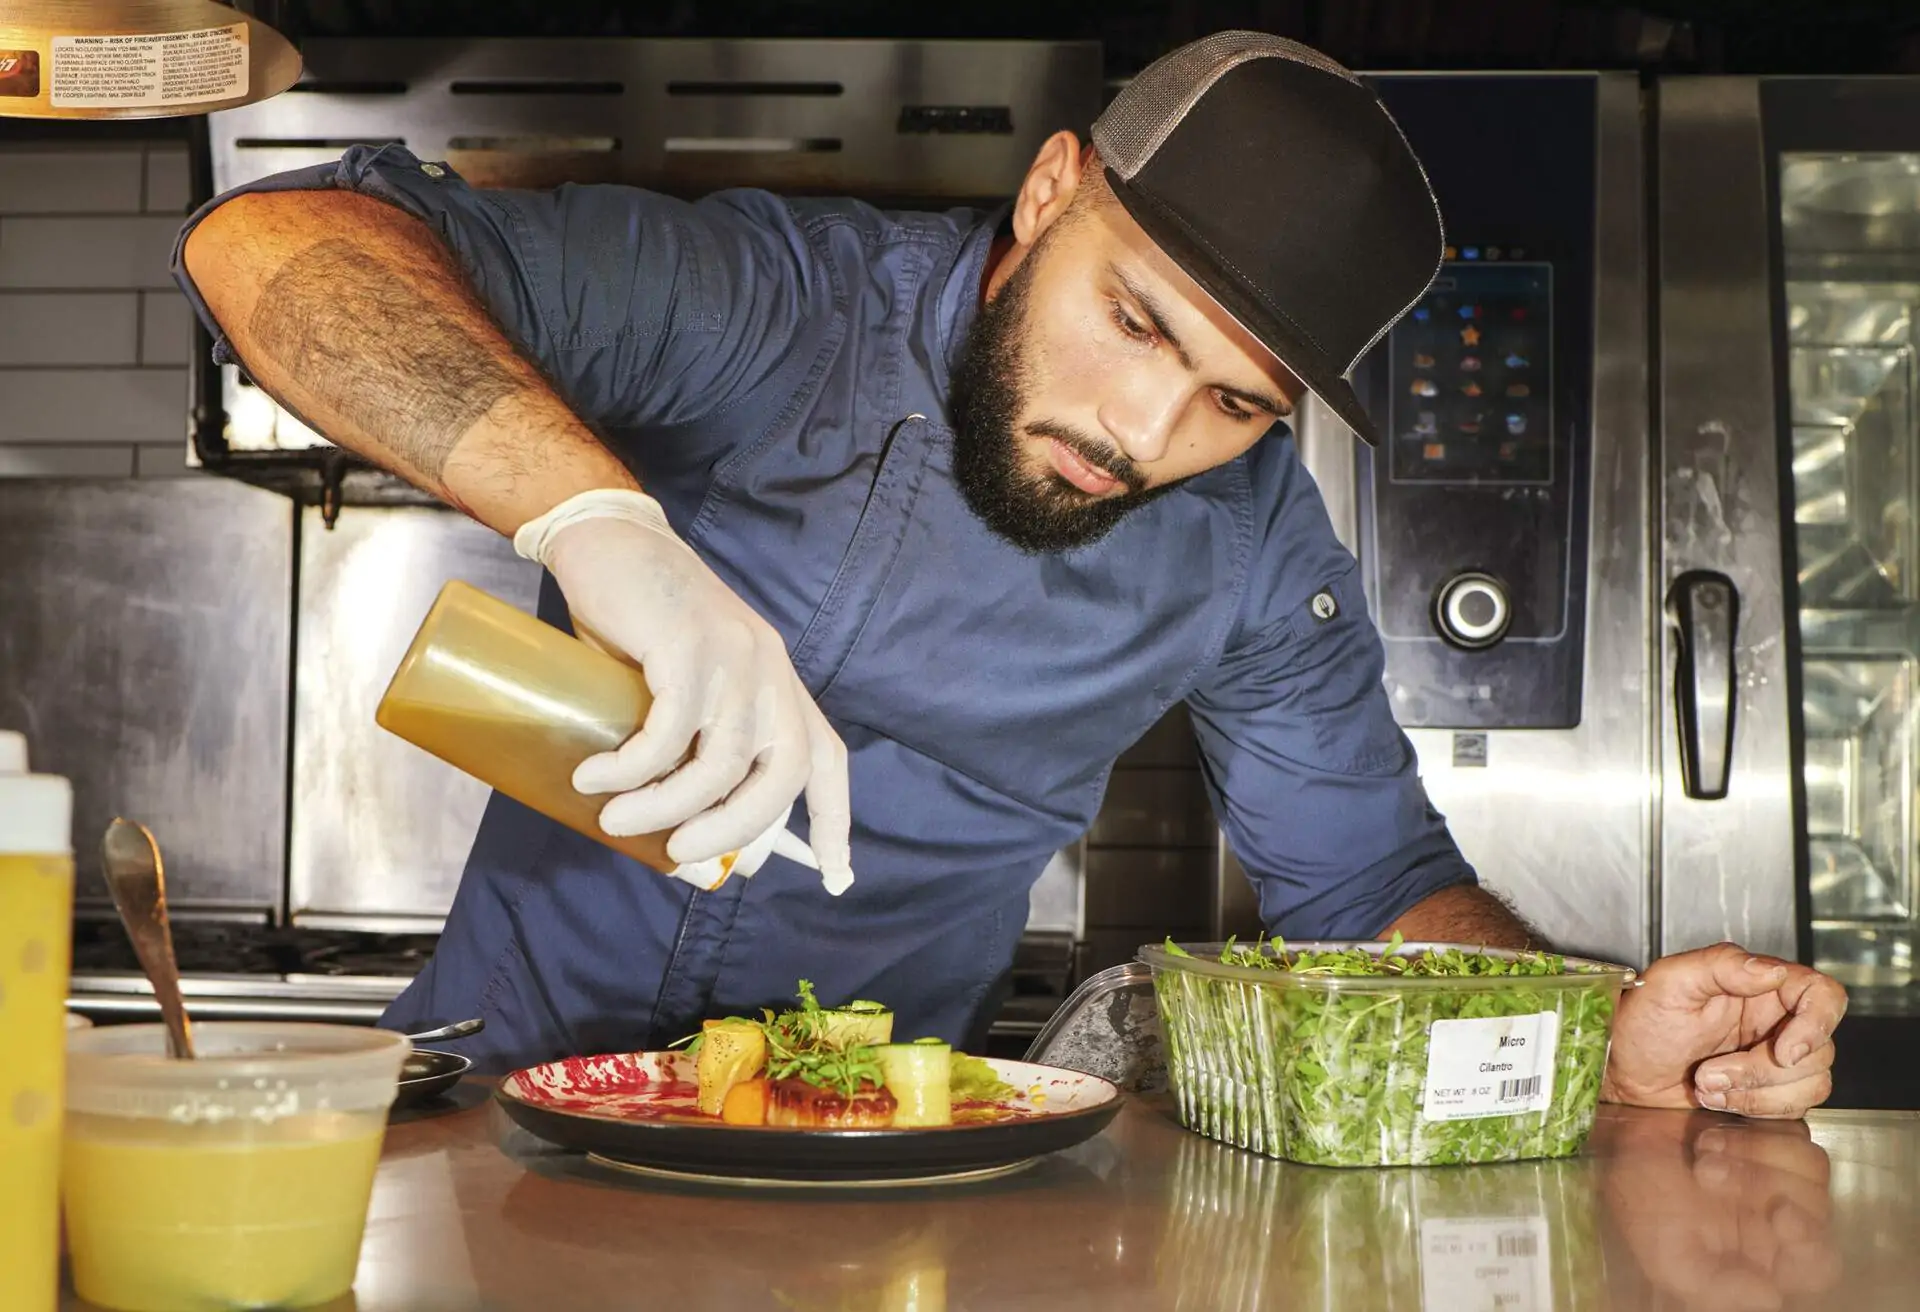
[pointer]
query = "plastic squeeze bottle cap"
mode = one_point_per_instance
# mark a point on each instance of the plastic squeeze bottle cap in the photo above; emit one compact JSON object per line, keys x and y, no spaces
{"x":712,"y":873}
{"x":36,"y":810}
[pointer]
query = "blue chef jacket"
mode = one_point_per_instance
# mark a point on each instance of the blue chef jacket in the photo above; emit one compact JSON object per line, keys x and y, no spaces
{"x":775,"y":371}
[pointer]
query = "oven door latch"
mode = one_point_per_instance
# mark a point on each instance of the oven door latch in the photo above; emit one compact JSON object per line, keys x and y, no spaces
{"x":1704,"y":609}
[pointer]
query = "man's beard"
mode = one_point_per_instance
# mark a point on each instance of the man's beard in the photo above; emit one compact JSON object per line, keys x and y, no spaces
{"x":1041,"y":512}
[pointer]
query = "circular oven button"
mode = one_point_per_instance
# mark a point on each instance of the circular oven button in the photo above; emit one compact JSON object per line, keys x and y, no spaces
{"x":1472,"y":611}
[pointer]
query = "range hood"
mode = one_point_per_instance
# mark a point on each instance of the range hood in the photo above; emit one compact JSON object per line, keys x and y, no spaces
{"x":923,"y":124}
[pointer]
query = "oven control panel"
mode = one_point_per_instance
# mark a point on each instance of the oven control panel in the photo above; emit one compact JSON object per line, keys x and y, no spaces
{"x":1473,"y":511}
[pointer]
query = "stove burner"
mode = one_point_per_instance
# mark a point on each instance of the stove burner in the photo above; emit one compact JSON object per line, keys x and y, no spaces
{"x":208,"y":947}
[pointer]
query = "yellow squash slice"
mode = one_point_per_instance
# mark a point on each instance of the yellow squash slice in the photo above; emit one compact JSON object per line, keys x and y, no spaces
{"x":731,"y":1052}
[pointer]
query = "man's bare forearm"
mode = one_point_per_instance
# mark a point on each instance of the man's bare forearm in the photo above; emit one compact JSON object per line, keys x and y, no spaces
{"x":351,"y":314}
{"x":1466,"y":914}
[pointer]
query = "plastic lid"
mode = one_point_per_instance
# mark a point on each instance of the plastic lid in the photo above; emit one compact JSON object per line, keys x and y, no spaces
{"x":248,"y":1071}
{"x":36,"y":810}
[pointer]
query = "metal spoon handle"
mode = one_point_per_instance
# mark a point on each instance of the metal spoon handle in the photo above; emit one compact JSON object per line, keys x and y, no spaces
{"x":457,"y":1030}
{"x":137,"y":880}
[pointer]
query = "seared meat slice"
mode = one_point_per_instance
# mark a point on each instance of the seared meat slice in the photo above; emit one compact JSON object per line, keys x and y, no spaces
{"x":796,"y":1104}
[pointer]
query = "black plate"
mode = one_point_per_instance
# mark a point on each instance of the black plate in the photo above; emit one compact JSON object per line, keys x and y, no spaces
{"x":600,"y":1105}
{"x":428,"y":1074}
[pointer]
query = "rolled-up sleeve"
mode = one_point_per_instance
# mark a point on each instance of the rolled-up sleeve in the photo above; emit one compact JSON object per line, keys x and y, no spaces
{"x":644,"y":311}
{"x":1314,"y":783}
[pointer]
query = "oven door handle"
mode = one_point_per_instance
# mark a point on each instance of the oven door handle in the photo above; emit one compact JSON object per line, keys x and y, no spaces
{"x":1704,"y":608}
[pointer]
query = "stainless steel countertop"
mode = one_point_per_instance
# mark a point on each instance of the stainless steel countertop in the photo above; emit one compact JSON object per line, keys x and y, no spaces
{"x":1663,"y":1210}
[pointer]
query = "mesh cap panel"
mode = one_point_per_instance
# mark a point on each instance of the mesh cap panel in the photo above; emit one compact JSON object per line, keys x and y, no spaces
{"x":1150,"y":107}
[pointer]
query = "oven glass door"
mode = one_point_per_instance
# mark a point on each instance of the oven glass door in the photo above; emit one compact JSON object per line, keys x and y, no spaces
{"x":1846,"y":192}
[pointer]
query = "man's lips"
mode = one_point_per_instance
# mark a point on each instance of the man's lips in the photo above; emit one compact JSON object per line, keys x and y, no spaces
{"x":1086,"y":477}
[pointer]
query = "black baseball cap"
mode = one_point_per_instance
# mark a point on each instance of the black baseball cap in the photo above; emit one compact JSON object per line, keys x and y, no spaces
{"x":1280,"y":184}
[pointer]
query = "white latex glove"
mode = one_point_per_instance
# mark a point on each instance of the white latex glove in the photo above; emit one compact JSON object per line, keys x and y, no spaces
{"x":718,"y":673}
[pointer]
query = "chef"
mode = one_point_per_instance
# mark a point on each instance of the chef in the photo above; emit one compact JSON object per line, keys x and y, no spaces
{"x":915,"y":522}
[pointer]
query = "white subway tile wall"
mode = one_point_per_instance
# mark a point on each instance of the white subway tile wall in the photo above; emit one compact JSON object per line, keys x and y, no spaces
{"x":94,"y":336}
{"x":168,"y":190}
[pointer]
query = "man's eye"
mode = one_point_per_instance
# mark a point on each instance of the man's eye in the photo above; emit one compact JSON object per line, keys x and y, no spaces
{"x":1128,"y":324}
{"x":1231,"y":407}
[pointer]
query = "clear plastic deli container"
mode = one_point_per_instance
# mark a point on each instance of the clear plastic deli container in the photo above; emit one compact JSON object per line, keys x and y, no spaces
{"x":1355,"y":1069}
{"x":237,"y":1180}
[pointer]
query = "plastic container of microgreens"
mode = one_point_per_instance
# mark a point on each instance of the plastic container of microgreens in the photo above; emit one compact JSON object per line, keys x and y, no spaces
{"x":1372,"y":1054}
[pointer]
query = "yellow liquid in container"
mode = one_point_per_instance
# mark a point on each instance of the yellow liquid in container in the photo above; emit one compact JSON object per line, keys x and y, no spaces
{"x":167,"y":1217}
{"x":36,"y":916}
{"x":518,"y":705}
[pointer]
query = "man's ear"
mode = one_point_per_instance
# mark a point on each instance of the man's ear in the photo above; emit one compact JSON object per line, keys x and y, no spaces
{"x":1049,"y":188}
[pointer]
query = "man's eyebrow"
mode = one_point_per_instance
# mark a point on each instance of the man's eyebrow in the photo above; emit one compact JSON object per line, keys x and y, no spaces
{"x":1273,"y":405}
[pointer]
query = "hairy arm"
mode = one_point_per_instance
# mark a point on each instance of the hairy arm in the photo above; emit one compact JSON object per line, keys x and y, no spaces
{"x":1465,"y":913}
{"x":350,"y":314}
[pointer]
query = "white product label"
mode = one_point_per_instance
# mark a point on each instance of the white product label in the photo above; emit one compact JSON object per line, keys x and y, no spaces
{"x":1493,"y":1265}
{"x":149,"y":72}
{"x":1499,"y":1066}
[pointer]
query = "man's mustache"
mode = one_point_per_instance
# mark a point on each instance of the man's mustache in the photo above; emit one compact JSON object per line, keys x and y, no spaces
{"x":1096,"y":453}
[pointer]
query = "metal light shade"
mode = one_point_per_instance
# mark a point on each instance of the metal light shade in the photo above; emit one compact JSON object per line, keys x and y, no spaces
{"x":94,"y":59}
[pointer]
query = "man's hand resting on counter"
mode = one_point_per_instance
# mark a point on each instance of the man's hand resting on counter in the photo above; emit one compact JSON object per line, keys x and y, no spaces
{"x":1724,"y":1029}
{"x":1717,"y":1027}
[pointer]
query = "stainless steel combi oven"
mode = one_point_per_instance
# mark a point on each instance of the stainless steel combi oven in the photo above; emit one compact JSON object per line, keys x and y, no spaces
{"x":1641,"y":538}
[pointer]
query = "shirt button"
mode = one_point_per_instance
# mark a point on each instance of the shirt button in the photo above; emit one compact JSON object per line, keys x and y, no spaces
{"x":433,"y":170}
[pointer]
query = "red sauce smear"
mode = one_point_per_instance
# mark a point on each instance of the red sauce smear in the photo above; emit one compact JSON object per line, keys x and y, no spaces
{"x":648,"y":1087}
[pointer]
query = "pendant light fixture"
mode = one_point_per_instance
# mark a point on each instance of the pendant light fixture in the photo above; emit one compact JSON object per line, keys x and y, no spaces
{"x":99,"y":59}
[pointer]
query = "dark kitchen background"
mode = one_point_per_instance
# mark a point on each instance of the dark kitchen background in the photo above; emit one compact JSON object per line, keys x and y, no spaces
{"x":1714,"y":196}
{"x":1730,"y":36}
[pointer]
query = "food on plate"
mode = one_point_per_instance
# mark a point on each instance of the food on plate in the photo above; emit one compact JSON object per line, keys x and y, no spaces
{"x":857,"y":1022}
{"x":733,"y":1051}
{"x":746,"y":1103}
{"x":833,"y":1068}
{"x":975,"y":1081}
{"x":920,"y":1077}
{"x":801,"y":1105}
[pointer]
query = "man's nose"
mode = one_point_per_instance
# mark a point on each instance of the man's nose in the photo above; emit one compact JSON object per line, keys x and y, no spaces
{"x":1141,"y":416}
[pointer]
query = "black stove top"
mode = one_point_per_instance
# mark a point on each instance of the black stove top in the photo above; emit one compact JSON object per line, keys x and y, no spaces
{"x":206,"y":947}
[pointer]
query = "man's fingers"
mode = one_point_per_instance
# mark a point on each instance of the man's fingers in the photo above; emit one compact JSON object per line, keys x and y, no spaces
{"x":1815,"y":1004}
{"x":1732,"y":970}
{"x":1789,"y":1100}
{"x":763,"y":799}
{"x":663,"y":740}
{"x":829,"y":805}
{"x":1754,"y":1068}
{"x":1751,"y":1083}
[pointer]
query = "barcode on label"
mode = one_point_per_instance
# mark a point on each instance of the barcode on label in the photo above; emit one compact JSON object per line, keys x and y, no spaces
{"x":1518,"y":1246}
{"x":1514,"y":1090}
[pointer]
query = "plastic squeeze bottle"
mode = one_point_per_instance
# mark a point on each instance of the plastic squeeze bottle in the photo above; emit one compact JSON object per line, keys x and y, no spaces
{"x":517,"y":704}
{"x":36,"y":942}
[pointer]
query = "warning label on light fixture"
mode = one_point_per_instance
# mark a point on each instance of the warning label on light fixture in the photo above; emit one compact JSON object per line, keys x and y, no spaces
{"x":151,"y":71}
